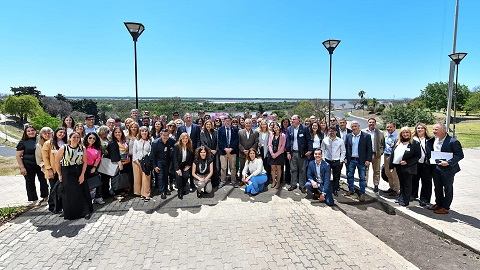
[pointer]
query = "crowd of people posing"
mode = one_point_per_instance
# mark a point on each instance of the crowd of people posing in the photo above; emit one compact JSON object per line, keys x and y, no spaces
{"x":255,"y":151}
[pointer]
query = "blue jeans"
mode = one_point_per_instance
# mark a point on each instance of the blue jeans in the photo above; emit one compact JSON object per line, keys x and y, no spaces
{"x":354,"y":163}
{"x":325,"y":188}
{"x":257,"y":184}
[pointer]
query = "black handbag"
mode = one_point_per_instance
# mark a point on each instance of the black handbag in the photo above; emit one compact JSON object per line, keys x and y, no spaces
{"x":146,"y":164}
{"x":120,"y":181}
{"x":94,"y":181}
{"x":384,"y":175}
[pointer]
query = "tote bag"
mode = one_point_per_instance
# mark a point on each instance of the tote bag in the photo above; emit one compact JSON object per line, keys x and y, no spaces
{"x":107,"y":167}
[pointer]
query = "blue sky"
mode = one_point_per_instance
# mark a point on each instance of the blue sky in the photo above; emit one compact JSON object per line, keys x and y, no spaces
{"x":236,"y":48}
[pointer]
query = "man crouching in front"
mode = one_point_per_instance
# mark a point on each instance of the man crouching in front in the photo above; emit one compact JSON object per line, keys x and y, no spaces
{"x":318,"y":175}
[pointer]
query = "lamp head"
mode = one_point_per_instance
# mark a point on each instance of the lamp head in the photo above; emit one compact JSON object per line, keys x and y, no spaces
{"x":331,"y":44}
{"x":457,"y":57}
{"x":135,"y":29}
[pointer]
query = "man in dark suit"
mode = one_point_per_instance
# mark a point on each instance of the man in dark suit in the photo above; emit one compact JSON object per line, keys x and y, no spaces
{"x":319,"y":183}
{"x":342,"y":130}
{"x":299,"y":148}
{"x":192,"y":129}
{"x":359,"y":155}
{"x":247,"y":138}
{"x":228,"y":148}
{"x":443,"y":171}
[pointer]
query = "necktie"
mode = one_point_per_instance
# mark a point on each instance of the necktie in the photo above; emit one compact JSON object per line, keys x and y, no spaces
{"x":228,"y":136}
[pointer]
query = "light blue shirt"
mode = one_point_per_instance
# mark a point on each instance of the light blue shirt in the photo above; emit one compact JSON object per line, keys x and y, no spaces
{"x":389,"y":140}
{"x":355,"y":141}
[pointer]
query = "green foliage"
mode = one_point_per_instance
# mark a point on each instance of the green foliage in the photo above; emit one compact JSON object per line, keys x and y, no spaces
{"x":473,"y":102}
{"x":11,"y":210}
{"x":45,"y":120}
{"x":27,"y":90}
{"x":303,"y":109}
{"x":435,"y":96}
{"x":88,"y":106}
{"x":22,"y":106}
{"x":407,"y":115}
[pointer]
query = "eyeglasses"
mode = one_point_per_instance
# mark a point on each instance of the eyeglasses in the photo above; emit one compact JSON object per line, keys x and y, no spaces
{"x":332,"y":120}
{"x":92,"y":138}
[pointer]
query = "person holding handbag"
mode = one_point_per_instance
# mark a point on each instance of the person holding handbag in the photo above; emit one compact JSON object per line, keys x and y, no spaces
{"x":93,"y":149}
{"x":49,"y":151}
{"x":405,"y":155}
{"x":71,"y":162}
{"x":118,"y":153}
{"x":141,"y":153}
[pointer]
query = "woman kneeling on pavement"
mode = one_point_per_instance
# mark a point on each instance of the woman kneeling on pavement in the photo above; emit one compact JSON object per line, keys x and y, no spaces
{"x":254,"y":174}
{"x":202,"y":170}
{"x":71,"y":162}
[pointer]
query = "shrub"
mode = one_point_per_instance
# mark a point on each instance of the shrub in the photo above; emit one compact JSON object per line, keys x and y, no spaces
{"x":45,"y":120}
{"x":407,"y":115}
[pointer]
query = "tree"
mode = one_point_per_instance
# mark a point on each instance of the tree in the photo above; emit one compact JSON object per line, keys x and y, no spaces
{"x":361,"y":94}
{"x":22,"y":106}
{"x":354,"y":102}
{"x":435,"y":96}
{"x":473,"y":102}
{"x":61,"y":97}
{"x":320,"y":107}
{"x":363,"y":101}
{"x":303,"y":109}
{"x":87,"y":106}
{"x":27,"y":90}
{"x":45,"y":120}
{"x":55,"y":107}
{"x":407,"y":115}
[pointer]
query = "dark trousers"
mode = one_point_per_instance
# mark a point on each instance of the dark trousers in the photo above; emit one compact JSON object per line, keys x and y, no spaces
{"x":181,"y":181}
{"x":443,"y":187}
{"x":336,"y":167}
{"x":286,"y":175}
{"x":268,"y":170}
{"x":104,"y":189}
{"x":163,"y":177}
{"x":32,"y":171}
{"x":54,"y":200}
{"x":424,"y":173}
{"x":405,"y":184}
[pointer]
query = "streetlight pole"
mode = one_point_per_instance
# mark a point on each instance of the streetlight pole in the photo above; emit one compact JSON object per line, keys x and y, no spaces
{"x":330,"y":45}
{"x":135,"y":29}
{"x":456,"y":57}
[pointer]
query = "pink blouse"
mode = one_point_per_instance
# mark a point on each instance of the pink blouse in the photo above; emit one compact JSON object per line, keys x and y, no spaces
{"x":93,"y":156}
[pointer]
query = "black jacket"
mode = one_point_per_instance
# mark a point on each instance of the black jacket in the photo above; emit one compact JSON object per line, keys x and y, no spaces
{"x":411,"y":155}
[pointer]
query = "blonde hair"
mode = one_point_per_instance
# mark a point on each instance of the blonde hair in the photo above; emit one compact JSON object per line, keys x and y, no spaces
{"x":399,"y":138}
{"x":44,"y":130}
{"x":189,"y":143}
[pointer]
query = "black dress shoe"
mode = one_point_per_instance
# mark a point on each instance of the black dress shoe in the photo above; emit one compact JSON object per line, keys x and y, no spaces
{"x":292,"y":188}
{"x":423,"y":203}
{"x":335,"y":192}
{"x":168,"y":193}
{"x":163,"y":196}
{"x":87,"y":216}
{"x":304,"y":190}
{"x":375,"y":189}
{"x":199,"y":194}
{"x":180,"y":196}
{"x":235,"y":184}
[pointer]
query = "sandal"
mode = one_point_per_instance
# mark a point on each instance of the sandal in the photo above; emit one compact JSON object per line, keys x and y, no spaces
{"x":146,"y":199}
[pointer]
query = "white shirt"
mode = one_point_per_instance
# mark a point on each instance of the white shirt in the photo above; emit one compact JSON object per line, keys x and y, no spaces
{"x":254,"y":167}
{"x":333,"y":149}
{"x":372,"y":135}
{"x":437,"y":145}
{"x":343,"y":133}
{"x":140,"y":149}
{"x":295,"y":141}
{"x":316,"y":141}
{"x":422,"y":142}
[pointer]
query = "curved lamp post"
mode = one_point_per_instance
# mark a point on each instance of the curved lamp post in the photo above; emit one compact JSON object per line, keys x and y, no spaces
{"x":135,"y":29}
{"x":456,"y":57}
{"x":330,"y":45}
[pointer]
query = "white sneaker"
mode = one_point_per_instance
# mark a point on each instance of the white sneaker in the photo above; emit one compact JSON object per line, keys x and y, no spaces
{"x":99,"y":200}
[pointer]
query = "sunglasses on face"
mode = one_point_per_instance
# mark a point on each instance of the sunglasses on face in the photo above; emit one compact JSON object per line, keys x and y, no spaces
{"x":92,"y":138}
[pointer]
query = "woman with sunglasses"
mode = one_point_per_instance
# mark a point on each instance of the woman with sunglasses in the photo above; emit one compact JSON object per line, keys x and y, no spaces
{"x":49,"y":150}
{"x":217,"y":123}
{"x":29,"y":168}
{"x":93,"y":147}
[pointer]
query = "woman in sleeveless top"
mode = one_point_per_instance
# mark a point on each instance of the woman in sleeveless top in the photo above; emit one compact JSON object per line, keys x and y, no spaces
{"x":276,"y":147}
{"x":202,"y":170}
{"x":71,"y":162}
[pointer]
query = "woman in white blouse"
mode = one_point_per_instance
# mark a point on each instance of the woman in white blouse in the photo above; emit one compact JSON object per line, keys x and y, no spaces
{"x":253,"y":174}
{"x":317,"y":137}
{"x":141,"y":179}
{"x":263,"y":136}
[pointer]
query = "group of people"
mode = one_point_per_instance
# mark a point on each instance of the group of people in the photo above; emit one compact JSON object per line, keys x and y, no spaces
{"x":254,"y":150}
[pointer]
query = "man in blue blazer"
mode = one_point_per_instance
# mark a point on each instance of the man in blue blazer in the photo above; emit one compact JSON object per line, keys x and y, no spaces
{"x":318,"y":174}
{"x":227,"y":143}
{"x":443,"y":171}
{"x":192,"y":129}
{"x":359,"y":155}
{"x":299,"y":147}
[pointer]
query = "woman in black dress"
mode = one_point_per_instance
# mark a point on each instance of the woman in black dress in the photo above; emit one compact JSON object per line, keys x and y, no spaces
{"x":28,"y":165}
{"x":208,"y":138}
{"x":71,"y":162}
{"x":276,"y":147}
{"x":202,"y":170}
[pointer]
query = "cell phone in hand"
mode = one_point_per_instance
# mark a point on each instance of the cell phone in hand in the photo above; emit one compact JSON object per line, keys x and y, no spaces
{"x":438,"y":161}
